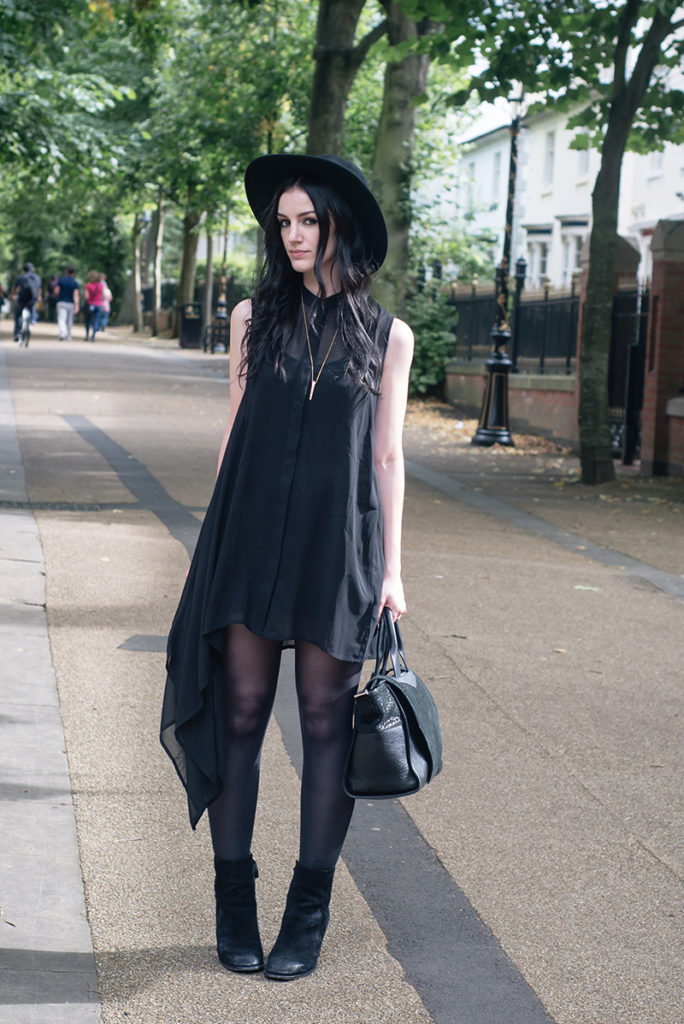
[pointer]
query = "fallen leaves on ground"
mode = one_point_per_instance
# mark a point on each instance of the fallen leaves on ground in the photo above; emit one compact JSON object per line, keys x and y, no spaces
{"x":443,"y":424}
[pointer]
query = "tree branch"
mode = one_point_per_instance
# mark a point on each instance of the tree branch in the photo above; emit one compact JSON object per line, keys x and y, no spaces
{"x":626,"y":23}
{"x":659,"y":30}
{"x":363,"y":46}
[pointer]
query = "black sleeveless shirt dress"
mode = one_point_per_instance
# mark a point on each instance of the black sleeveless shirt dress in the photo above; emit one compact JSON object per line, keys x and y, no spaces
{"x":291,"y":544}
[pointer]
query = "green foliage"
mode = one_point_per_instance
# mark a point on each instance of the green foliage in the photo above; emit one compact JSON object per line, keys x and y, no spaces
{"x":182,"y":93}
{"x":53,"y":97}
{"x":232,"y":86}
{"x":433,"y":321}
{"x":572,"y":54}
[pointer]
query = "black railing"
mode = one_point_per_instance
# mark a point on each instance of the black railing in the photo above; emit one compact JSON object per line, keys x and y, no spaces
{"x":475,"y":319}
{"x":546,"y":332}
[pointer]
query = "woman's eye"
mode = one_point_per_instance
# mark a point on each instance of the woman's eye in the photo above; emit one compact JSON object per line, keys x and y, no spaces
{"x":310,"y":221}
{"x":283,"y":224}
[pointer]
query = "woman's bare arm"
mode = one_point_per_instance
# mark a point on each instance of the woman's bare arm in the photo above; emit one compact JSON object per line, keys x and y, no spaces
{"x":238,"y":325}
{"x":389,"y":458}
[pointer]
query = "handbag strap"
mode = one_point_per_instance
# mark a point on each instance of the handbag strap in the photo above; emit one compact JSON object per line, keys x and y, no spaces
{"x":400,"y":644}
{"x":390,"y":646}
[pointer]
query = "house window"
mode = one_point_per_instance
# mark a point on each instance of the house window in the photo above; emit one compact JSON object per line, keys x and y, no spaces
{"x":567,"y":258}
{"x":579,"y":242}
{"x":582,"y":163}
{"x":496,"y":179}
{"x":655,"y":169}
{"x":543,"y":259}
{"x":549,"y":157}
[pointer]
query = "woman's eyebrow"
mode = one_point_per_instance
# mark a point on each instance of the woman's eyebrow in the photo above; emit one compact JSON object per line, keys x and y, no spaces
{"x":306,"y":213}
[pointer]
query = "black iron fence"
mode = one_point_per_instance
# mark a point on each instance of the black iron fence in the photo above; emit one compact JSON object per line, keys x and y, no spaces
{"x":545,"y":334}
{"x":544,"y":330}
{"x":544,"y":340}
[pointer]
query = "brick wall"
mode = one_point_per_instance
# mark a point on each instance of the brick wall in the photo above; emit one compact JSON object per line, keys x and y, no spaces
{"x":662,"y":443}
{"x":537,"y":404}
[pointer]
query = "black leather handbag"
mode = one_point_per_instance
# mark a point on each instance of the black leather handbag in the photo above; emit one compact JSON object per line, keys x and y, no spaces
{"x":396,"y":746}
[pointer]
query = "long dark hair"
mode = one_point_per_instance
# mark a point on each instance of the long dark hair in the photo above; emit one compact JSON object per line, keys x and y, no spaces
{"x":277,"y":302}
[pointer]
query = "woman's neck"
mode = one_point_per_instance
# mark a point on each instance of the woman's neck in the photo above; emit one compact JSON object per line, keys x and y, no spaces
{"x":331,"y":281}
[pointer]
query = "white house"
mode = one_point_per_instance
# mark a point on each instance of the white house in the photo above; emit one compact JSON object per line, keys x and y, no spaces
{"x":552,"y":211}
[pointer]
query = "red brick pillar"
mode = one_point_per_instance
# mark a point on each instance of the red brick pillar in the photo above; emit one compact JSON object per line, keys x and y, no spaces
{"x":662,"y":418}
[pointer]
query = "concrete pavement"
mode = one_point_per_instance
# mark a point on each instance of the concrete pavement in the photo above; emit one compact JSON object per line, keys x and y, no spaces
{"x":538,"y":878}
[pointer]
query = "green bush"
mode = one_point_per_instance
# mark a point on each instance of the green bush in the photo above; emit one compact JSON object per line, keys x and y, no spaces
{"x":433,"y":321}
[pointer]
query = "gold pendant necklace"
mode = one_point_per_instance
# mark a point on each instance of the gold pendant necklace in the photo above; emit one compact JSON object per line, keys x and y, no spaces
{"x":314,"y":380}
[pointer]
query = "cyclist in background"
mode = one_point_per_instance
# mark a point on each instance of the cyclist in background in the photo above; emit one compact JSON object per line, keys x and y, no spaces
{"x":25,"y":293}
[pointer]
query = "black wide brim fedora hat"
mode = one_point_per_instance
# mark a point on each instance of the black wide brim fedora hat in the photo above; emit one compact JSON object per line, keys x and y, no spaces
{"x":264,"y":176}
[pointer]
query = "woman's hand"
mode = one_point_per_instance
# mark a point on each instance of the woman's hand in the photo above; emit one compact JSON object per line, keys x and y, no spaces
{"x":392,"y":597}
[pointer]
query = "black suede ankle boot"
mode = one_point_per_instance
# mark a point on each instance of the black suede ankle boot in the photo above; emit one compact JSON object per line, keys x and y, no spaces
{"x":237,"y":930}
{"x":304,"y":923}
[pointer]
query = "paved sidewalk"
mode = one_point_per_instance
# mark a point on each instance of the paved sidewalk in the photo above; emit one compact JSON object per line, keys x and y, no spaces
{"x":548,"y":619}
{"x":47,"y":967}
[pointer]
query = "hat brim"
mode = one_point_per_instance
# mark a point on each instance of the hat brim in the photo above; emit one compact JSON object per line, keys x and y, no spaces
{"x":265,"y":174}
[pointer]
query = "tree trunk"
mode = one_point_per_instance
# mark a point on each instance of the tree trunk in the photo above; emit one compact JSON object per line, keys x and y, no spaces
{"x":593,"y":416}
{"x":392,"y":159}
{"x":208,"y":277}
{"x":186,"y":285}
{"x":337,"y":60}
{"x":157,"y":240}
{"x":138,"y":226}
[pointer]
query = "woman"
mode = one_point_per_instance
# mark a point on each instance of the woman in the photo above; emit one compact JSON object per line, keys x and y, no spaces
{"x":106,"y":306}
{"x":93,"y":303}
{"x":300,"y":545}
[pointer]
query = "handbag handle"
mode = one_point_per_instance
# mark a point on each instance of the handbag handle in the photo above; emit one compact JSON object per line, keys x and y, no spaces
{"x":390,"y":646}
{"x":400,"y":643}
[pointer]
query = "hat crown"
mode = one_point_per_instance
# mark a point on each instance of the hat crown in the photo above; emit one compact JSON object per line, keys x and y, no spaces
{"x":347,"y":165}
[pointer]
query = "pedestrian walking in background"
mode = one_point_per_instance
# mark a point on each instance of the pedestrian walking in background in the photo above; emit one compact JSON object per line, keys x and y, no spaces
{"x":93,"y":303}
{"x":5,"y":304}
{"x":300,"y":545}
{"x":106,"y":307}
{"x":67,"y":296}
{"x":26,"y":293}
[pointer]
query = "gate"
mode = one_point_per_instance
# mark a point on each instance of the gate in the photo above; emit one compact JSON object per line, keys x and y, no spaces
{"x":626,"y":372}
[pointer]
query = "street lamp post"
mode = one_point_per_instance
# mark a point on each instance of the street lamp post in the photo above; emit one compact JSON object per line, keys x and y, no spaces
{"x":520,"y":273}
{"x":493,"y":425}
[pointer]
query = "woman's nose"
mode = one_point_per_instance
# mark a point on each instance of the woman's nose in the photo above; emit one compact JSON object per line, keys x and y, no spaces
{"x":293,"y":233}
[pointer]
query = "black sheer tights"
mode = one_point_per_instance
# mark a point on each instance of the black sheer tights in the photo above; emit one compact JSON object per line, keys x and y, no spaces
{"x":325,"y":691}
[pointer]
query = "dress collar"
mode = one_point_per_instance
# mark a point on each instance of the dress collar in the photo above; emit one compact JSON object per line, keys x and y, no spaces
{"x":330,"y":302}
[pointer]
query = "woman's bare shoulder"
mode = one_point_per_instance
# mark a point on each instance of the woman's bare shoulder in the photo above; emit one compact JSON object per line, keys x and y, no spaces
{"x":400,"y":337}
{"x":242,"y":312}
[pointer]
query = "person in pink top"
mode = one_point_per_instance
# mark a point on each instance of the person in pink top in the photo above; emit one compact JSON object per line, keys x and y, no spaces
{"x":94,"y":292}
{"x":106,"y":304}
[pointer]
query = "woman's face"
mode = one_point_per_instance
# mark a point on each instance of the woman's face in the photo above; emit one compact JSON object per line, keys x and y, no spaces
{"x":300,"y":232}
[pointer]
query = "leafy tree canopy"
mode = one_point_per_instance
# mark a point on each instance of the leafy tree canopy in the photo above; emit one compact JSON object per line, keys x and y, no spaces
{"x":53,"y":95}
{"x":579,"y":53}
